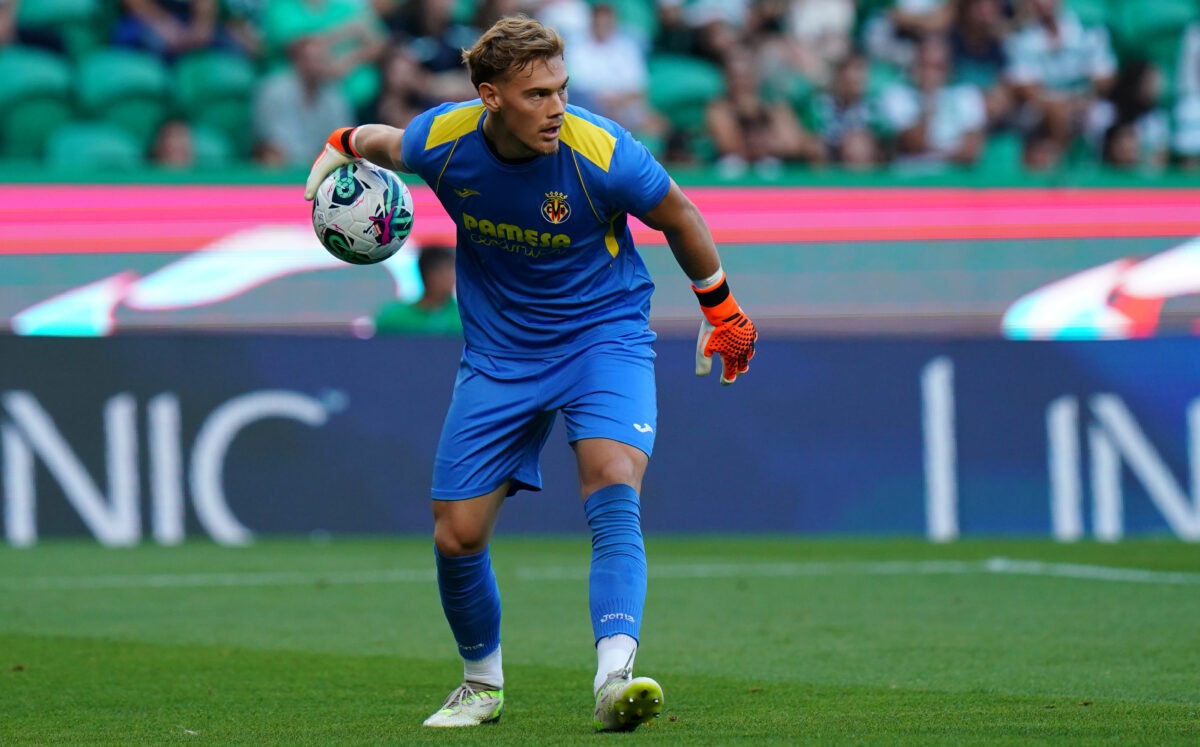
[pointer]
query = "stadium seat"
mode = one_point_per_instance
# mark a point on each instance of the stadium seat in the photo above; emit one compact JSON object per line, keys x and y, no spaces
{"x":1090,"y":12}
{"x":1001,"y":155}
{"x":213,"y":150}
{"x":215,"y":89}
{"x":125,"y":87}
{"x":681,"y":87}
{"x":80,"y":23}
{"x":1139,"y":25}
{"x":93,"y":147}
{"x":35,"y":98}
{"x":1154,"y":31}
{"x":638,"y":18}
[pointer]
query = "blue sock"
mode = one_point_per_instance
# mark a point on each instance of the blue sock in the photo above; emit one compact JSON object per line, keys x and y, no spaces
{"x":617,"y":585}
{"x":471,"y":601}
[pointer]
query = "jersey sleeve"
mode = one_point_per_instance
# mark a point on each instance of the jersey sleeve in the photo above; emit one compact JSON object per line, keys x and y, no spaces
{"x":412,"y":148}
{"x":639,"y":181}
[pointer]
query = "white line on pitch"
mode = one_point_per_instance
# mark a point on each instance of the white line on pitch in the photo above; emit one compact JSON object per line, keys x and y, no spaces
{"x":1088,"y":572}
{"x":232,"y":579}
{"x":993,"y":566}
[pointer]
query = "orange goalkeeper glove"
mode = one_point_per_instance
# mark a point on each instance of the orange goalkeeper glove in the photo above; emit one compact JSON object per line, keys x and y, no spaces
{"x":338,"y":151}
{"x":726,"y":330}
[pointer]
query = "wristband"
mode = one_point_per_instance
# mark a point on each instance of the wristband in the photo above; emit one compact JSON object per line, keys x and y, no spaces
{"x":345,"y":139}
{"x":717,"y":303}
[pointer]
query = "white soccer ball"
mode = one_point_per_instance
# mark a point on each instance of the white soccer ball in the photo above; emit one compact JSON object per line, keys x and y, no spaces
{"x":362,"y":213}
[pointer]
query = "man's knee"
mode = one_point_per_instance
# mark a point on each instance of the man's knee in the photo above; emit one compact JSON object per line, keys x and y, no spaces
{"x":603,"y":463}
{"x":457,"y":538}
{"x":465,"y":527}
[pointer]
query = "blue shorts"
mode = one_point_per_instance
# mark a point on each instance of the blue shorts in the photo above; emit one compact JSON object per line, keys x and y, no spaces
{"x":503,"y":409}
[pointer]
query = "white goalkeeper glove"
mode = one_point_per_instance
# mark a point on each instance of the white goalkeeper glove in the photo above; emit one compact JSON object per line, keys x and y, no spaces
{"x":337,"y":151}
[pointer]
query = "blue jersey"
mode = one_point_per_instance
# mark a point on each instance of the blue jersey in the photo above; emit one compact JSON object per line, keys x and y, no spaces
{"x":546,"y":263}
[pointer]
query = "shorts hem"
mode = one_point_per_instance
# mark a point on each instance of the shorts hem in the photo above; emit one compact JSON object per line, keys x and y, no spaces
{"x":463,"y":495}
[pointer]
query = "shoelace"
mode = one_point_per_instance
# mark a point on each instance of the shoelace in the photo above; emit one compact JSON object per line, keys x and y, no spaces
{"x":460,"y":695}
{"x":624,"y":673}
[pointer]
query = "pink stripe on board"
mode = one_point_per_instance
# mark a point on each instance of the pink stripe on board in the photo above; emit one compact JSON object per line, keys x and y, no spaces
{"x":74,"y":219}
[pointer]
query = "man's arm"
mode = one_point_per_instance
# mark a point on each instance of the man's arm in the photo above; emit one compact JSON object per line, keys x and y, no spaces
{"x":725,"y":329}
{"x":377,"y":143}
{"x":687,"y":234}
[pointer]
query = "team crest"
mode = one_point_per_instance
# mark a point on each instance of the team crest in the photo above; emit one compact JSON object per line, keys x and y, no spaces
{"x":555,"y":208}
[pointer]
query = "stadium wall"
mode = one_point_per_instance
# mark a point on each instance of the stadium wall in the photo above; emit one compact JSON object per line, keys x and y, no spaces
{"x":158,"y":438}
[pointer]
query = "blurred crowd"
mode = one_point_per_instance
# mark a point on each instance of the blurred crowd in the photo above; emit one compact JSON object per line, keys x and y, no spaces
{"x":853,"y":84}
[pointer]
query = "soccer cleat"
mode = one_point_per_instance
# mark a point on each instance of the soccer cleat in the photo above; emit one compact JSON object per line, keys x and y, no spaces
{"x":471,"y":704}
{"x":624,"y":703}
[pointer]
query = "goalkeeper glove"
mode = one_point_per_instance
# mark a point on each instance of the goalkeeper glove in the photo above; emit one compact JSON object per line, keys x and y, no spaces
{"x":726,"y":330}
{"x":338,"y":151}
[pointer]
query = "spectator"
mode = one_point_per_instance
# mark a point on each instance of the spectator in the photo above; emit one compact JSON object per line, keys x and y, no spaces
{"x":12,"y":32}
{"x":436,"y":40}
{"x":891,"y":34}
{"x":173,"y":146}
{"x":243,"y":22}
{"x":977,"y":38}
{"x":353,"y":35}
{"x":488,"y":12}
{"x":749,"y":132}
{"x":1121,"y":149}
{"x":404,"y":90}
{"x":675,"y":34}
{"x":1059,"y":71}
{"x":1185,"y":135}
{"x":296,"y":108}
{"x":1132,"y":112}
{"x":570,"y":18}
{"x":718,"y":29}
{"x":933,"y":120}
{"x":169,"y":28}
{"x":1185,"y":138}
{"x":845,"y":119}
{"x":1188,"y":75}
{"x":436,"y":311}
{"x":805,"y":38}
{"x":610,"y":77}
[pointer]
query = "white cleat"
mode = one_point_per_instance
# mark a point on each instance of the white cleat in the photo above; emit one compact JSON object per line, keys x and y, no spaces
{"x":471,"y":704}
{"x":624,"y":703}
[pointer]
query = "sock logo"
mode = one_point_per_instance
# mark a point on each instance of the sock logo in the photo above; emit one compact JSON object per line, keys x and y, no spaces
{"x":615,"y":616}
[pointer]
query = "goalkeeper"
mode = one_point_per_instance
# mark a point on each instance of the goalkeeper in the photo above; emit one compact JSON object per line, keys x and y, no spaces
{"x":555,"y":305}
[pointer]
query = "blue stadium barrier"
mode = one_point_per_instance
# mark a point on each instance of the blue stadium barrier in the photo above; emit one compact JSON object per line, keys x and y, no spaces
{"x":161,"y":438}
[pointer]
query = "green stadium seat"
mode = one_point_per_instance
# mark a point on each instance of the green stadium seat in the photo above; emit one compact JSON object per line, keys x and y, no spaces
{"x":35,"y":98}
{"x":1154,"y":31}
{"x":1090,"y":12}
{"x":212,"y":148}
{"x":637,"y":17}
{"x":215,"y":89}
{"x":125,"y":87}
{"x":93,"y":147}
{"x":81,"y":23}
{"x":1138,"y":25}
{"x":1002,"y":155}
{"x":681,"y":87}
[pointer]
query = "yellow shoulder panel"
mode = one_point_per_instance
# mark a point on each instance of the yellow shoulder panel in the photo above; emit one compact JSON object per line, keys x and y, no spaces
{"x":453,"y":125}
{"x":591,"y":141}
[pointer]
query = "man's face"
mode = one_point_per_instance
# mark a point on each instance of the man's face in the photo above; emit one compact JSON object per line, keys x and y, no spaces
{"x":525,"y":111}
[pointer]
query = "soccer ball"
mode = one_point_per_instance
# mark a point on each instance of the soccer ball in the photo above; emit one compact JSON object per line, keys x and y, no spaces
{"x":362,"y":213}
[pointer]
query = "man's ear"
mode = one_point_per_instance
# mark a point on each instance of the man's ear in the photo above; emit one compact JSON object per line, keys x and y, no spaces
{"x":489,"y":96}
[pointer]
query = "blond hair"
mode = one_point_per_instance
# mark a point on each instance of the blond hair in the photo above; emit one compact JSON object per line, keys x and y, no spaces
{"x":508,"y":47}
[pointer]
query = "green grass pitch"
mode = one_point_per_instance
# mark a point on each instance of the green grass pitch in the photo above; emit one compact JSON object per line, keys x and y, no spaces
{"x":755,"y":640}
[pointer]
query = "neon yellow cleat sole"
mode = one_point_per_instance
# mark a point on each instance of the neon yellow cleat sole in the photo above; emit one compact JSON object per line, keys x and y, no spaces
{"x":624,"y":704}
